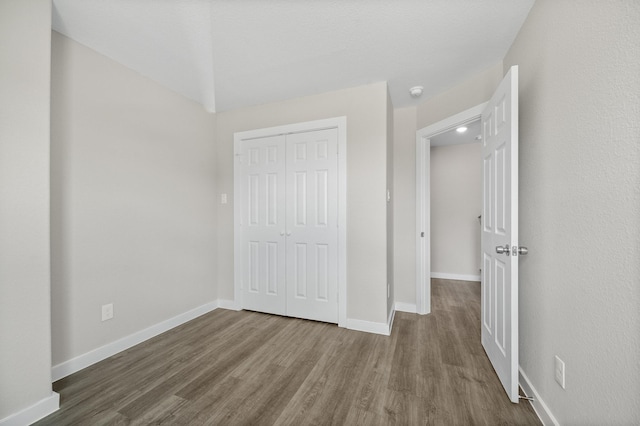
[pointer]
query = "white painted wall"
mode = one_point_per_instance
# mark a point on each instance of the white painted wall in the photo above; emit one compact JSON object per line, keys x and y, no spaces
{"x":456,"y":202}
{"x":25,"y":325}
{"x":390,"y":203}
{"x":580,"y":206}
{"x":404,"y":203}
{"x":469,"y":93}
{"x":366,"y":110}
{"x":133,"y":201}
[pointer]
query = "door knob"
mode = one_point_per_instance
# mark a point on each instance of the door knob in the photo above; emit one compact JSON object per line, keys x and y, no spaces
{"x":282,"y":233}
{"x":503,"y":250}
{"x":289,"y":234}
{"x":522,"y":250}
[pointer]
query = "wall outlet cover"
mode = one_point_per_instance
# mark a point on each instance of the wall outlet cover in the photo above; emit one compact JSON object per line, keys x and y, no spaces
{"x":107,"y":311}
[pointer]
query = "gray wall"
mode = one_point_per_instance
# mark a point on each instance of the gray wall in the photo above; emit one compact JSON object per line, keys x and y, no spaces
{"x":580,"y":206}
{"x":366,"y":110}
{"x":390,"y":208}
{"x":133,"y":201}
{"x":469,"y":93}
{"x":25,"y":327}
{"x":456,"y":202}
{"x":404,"y":203}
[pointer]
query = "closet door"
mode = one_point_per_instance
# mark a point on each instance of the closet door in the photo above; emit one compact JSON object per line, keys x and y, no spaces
{"x":312,"y":225}
{"x":264,"y":226}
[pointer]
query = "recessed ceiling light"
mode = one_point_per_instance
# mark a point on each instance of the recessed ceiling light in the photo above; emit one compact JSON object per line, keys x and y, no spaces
{"x":416,"y":91}
{"x":461,"y":129}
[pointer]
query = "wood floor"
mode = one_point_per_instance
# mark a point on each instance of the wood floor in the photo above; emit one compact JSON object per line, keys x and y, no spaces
{"x":247,"y":368}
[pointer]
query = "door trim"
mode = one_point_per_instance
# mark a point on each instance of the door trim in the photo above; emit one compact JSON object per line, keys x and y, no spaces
{"x":339,"y":123}
{"x":423,"y":199}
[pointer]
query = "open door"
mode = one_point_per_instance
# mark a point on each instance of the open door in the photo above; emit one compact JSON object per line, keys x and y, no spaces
{"x":500,"y":245}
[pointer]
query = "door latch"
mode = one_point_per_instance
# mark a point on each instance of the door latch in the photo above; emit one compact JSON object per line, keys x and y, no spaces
{"x":512,"y":251}
{"x":520,"y":250}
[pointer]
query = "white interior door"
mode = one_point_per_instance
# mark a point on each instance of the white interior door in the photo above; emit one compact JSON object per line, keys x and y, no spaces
{"x":263,"y":213}
{"x":289,"y":243}
{"x":312,"y":225}
{"x":500,"y":232}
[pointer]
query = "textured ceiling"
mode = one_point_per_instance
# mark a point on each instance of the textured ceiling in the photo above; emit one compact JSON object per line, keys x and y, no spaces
{"x":231,"y":54}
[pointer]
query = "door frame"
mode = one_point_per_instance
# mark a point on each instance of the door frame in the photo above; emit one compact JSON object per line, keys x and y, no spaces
{"x":423,"y":199}
{"x":339,"y":123}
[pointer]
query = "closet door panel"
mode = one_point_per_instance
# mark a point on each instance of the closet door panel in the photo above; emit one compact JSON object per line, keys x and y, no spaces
{"x":312,"y":225}
{"x":263,"y":216}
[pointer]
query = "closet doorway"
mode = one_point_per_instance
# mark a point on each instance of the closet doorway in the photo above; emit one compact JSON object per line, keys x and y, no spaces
{"x":290,"y":230}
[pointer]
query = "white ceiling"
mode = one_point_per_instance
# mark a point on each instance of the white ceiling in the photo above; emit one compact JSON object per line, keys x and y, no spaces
{"x":229,"y":54}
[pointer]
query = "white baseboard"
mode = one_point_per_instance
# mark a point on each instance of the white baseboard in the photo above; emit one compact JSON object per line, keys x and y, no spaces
{"x":229,"y":304}
{"x":458,"y":277}
{"x":352,"y":324}
{"x":82,"y":361}
{"x":368,"y":326}
{"x":32,"y":414}
{"x":541,"y":409}
{"x":406,"y":307}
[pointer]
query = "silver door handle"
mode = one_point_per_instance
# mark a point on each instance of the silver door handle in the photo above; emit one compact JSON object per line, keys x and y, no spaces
{"x":282,"y":233}
{"x":522,"y":250}
{"x":503,"y":250}
{"x":289,"y":234}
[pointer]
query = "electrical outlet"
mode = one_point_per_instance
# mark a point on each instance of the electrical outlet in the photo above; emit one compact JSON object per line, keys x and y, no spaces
{"x":107,"y":312}
{"x":559,"y":371}
{"x":223,"y":198}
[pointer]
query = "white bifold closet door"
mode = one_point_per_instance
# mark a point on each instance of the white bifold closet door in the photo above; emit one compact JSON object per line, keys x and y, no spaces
{"x":263,"y":217}
{"x":290,"y":236}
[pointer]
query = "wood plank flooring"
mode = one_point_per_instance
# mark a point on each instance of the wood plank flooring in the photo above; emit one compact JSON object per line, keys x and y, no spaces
{"x":247,"y":368}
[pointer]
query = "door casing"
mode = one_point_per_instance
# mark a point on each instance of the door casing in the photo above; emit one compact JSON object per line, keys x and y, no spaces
{"x":339,"y":123}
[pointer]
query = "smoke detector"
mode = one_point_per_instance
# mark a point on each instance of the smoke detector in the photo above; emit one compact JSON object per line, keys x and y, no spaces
{"x":416,"y":91}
